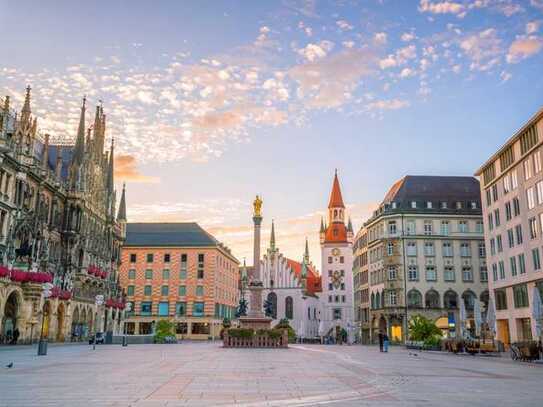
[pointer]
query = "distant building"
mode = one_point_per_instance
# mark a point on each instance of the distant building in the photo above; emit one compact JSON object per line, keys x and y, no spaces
{"x":425,"y":253}
{"x":291,"y":289}
{"x":179,"y":272}
{"x":361,"y":285}
{"x":512,"y":190}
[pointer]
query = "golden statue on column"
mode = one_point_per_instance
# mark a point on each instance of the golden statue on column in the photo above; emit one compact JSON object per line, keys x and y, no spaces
{"x":257,"y":205}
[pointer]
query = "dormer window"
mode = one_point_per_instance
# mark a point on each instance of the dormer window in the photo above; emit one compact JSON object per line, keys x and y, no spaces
{"x":413,"y":205}
{"x":393,"y":205}
{"x":443,"y":205}
{"x":474,"y":205}
{"x":429,"y":205}
{"x":459,"y":205}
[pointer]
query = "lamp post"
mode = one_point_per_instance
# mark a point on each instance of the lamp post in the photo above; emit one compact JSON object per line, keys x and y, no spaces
{"x":128,"y":309}
{"x":42,"y":344}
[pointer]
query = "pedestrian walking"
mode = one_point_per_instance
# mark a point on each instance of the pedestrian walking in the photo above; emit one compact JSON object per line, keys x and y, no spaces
{"x":15,"y":336}
{"x":385,"y":342}
{"x":381,"y":340}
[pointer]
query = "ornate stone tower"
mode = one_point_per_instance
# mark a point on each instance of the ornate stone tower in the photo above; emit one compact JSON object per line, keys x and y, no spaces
{"x":337,"y":262}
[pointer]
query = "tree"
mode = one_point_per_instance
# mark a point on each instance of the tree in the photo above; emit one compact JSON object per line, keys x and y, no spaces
{"x":164,"y":328}
{"x":423,"y":329}
{"x":242,"y":308}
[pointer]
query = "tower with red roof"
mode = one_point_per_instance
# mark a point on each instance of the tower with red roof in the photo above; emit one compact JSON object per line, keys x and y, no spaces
{"x":336,"y":238}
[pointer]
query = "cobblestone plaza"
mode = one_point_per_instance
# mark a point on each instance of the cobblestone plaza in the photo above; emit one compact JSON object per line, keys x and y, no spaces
{"x":205,"y":374}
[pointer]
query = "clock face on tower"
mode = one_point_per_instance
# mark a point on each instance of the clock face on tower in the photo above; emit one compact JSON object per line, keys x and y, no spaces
{"x":335,"y":252}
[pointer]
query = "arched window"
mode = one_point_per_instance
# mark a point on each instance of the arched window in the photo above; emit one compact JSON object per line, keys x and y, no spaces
{"x":431,"y":299}
{"x":414,"y":299}
{"x":372,"y":302}
{"x":378,"y":300}
{"x":272,"y":301}
{"x":382,"y":299}
{"x":289,"y":308}
{"x":450,"y":300}
{"x":469,"y":298}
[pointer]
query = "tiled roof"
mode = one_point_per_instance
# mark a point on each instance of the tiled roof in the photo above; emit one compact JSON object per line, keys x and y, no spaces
{"x":424,"y":188}
{"x":67,"y":153}
{"x":188,"y":234}
{"x":313,"y":278}
{"x":336,"y":232}
{"x":336,"y":200}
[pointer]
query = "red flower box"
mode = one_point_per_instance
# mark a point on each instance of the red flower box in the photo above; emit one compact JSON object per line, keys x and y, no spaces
{"x":56,"y":292}
{"x":30,"y":277}
{"x":4,"y":271}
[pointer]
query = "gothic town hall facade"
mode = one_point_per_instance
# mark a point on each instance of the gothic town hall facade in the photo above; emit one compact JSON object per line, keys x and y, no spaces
{"x":58,"y":229}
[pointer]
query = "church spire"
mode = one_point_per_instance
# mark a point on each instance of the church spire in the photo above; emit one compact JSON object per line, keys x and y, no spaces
{"x":322,"y":226}
{"x":110,"y":169}
{"x":25,"y":112}
{"x":79,"y":149}
{"x":272,"y":237}
{"x":121,"y":215}
{"x":350,"y":226}
{"x":306,"y":253}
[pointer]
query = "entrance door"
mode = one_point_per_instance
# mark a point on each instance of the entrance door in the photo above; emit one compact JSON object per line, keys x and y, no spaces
{"x":503,"y":334}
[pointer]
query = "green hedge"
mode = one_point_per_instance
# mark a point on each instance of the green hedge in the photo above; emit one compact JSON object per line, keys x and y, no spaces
{"x":245,"y":333}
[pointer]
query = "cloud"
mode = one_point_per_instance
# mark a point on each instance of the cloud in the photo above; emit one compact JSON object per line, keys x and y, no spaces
{"x":126,"y":170}
{"x":483,"y":48}
{"x":312,"y":52}
{"x":443,"y":7}
{"x":344,"y":25}
{"x":328,"y":83}
{"x":524,"y":47}
{"x":532,"y":27}
{"x":392,"y":104}
{"x":407,"y":72}
{"x":406,"y":37}
{"x":380,"y":38}
{"x":505,"y":76}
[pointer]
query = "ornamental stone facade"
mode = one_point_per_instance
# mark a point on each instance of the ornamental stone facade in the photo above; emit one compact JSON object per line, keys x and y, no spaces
{"x":58,"y":226}
{"x":421,"y":253}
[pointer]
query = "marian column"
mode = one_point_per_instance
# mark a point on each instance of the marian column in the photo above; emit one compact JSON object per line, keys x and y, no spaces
{"x":256,"y":318}
{"x":255,"y":306}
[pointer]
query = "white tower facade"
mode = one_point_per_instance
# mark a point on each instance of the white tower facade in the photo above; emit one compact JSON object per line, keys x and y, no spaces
{"x":336,"y":240}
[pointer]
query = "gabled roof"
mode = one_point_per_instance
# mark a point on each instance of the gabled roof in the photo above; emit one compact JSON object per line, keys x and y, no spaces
{"x":188,"y":234}
{"x":336,"y":200}
{"x":314,"y":284}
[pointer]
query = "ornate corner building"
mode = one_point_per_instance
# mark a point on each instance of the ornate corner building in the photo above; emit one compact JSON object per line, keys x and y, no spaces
{"x":58,"y":226}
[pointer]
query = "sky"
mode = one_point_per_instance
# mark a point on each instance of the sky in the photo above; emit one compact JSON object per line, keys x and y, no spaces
{"x":213,"y":102}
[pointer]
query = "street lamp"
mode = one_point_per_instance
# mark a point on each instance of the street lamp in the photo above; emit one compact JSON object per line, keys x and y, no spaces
{"x":127,"y":309}
{"x":42,"y":344}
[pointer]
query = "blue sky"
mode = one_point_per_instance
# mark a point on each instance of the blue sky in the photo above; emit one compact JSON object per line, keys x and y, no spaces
{"x":212,"y":102}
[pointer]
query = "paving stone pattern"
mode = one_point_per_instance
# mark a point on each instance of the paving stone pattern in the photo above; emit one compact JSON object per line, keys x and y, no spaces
{"x":205,"y":374}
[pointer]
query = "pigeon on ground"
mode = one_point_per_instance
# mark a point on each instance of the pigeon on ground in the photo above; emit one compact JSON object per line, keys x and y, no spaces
{"x":10,"y":365}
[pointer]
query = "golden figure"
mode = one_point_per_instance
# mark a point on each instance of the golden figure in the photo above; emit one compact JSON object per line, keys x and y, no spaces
{"x":257,"y":205}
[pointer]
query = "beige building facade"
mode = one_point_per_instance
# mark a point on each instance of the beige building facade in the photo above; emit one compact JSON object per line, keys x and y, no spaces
{"x":425,"y":254}
{"x":512,"y":191}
